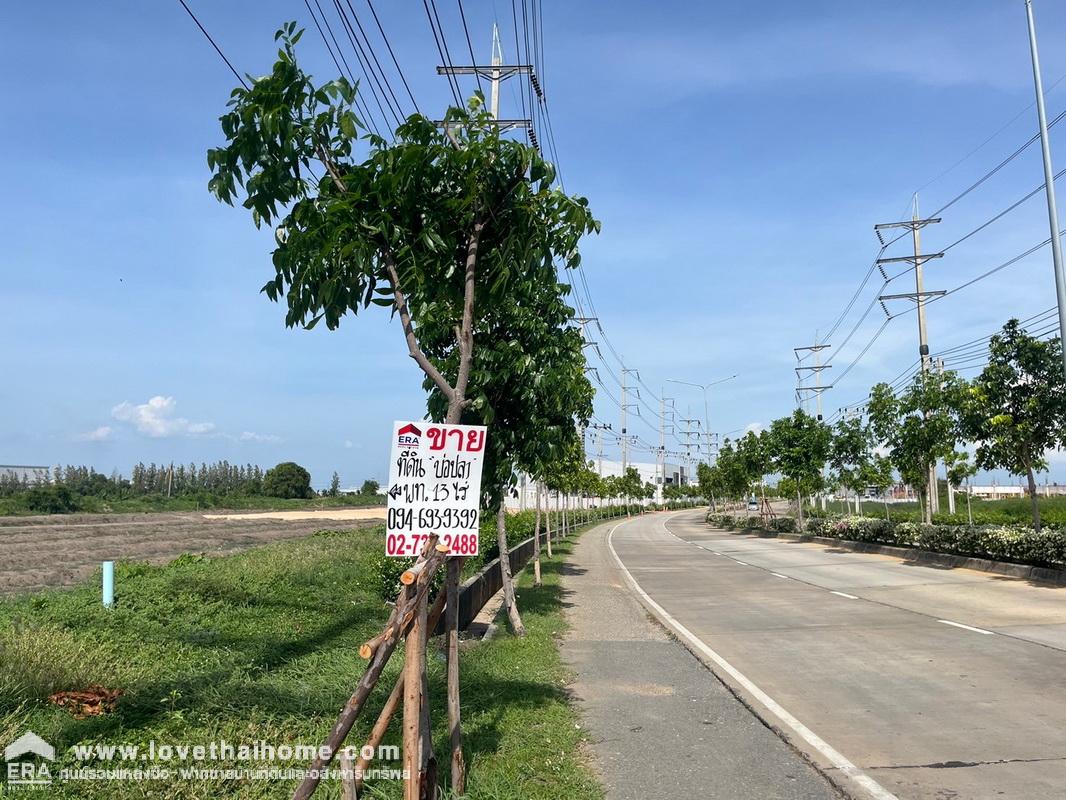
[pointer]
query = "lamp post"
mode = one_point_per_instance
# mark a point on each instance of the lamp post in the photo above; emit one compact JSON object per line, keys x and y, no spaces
{"x":704,"y":387}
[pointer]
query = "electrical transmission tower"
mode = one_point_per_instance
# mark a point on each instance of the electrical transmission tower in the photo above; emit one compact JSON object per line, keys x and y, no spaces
{"x":495,"y":73}
{"x":919,"y":295}
{"x":818,"y":388}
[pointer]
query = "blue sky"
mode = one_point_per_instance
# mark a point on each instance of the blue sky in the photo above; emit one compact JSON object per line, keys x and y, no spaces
{"x":737,"y":154}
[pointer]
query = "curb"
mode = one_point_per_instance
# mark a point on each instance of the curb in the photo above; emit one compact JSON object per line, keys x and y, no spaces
{"x":919,"y":556}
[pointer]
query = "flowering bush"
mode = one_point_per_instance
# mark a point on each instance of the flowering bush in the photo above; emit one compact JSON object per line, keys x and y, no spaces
{"x":999,"y":542}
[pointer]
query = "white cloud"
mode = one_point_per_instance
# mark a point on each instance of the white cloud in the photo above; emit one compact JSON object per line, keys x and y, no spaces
{"x":754,"y":427}
{"x":348,"y":444}
{"x":249,"y":436}
{"x":101,"y":434}
{"x":156,"y":419}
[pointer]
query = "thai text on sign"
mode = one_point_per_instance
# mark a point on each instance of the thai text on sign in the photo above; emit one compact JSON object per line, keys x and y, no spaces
{"x":434,"y":487}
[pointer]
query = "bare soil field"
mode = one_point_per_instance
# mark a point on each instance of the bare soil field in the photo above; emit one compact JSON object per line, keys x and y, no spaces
{"x":50,"y":551}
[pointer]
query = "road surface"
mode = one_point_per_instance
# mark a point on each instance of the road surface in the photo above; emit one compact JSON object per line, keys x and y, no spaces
{"x":900,"y":681}
{"x":660,"y":725}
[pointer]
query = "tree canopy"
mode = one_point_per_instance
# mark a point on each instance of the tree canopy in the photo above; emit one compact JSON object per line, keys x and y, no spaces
{"x":1016,"y":408}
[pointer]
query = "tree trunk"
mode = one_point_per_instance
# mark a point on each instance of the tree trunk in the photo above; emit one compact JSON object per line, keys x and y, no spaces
{"x":1033,"y":498}
{"x":413,"y":658}
{"x":536,"y":540}
{"x":505,"y":572}
{"x":969,"y":510}
{"x":548,"y":522}
{"x":887,"y":517}
{"x":458,"y":772}
{"x":799,"y":511}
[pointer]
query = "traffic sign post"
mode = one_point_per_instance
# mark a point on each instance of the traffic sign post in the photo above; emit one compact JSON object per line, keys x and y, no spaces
{"x":434,"y":487}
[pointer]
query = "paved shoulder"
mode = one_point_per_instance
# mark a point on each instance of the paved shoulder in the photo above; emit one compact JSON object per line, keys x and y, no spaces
{"x":660,"y":723}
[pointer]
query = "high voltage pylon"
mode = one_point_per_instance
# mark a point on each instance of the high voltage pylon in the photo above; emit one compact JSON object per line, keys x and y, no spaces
{"x":495,"y":73}
{"x":818,"y":388}
{"x":919,"y":295}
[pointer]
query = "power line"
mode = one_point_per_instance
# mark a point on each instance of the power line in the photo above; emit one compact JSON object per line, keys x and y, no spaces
{"x":388,"y":45}
{"x":382,"y":101}
{"x":470,"y":46}
{"x":218,"y":49}
{"x":453,"y":83}
{"x":377,"y":63}
{"x":360,"y":102}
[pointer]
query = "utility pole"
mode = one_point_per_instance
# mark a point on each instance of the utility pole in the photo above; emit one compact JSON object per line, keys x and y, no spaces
{"x":625,"y":408}
{"x":660,"y":466}
{"x":818,"y":388}
{"x":706,"y":416}
{"x":496,"y":72}
{"x":919,"y":295}
{"x":597,"y":435}
{"x":1049,"y":180}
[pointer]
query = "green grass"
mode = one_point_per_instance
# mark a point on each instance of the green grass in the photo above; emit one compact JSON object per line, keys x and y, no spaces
{"x":262,"y":645}
{"x":13,"y":506}
{"x":1014,"y":511}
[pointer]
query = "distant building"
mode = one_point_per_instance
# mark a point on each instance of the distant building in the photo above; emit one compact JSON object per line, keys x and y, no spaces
{"x":659,"y":475}
{"x":994,"y":492}
{"x":27,"y":472}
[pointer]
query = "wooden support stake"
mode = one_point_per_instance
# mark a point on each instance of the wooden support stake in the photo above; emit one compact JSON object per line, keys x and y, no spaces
{"x":451,"y":626}
{"x":377,"y":733}
{"x":536,"y":540}
{"x":348,"y":789}
{"x":413,"y":658}
{"x":400,"y":618}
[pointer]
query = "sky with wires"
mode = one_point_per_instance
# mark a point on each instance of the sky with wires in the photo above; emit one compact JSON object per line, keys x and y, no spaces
{"x":738,"y":156}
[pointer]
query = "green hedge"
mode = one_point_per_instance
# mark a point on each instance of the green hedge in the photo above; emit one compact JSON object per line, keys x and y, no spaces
{"x":1017,"y":543}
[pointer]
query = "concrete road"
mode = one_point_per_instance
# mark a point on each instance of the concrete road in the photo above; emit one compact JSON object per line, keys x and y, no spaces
{"x":899,"y":680}
{"x":660,"y":725}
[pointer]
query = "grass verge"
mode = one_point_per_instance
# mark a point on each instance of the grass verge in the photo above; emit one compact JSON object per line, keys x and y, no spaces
{"x":262,"y":646}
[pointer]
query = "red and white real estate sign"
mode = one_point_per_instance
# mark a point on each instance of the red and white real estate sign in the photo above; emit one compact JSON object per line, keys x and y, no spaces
{"x":434,"y":487}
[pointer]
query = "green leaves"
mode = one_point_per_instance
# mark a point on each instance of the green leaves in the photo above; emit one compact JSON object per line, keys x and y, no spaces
{"x":358,"y":217}
{"x":799,"y":447}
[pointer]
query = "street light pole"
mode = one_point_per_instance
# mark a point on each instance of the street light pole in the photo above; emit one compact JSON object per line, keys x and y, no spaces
{"x":706,"y":417}
{"x":1049,"y":181}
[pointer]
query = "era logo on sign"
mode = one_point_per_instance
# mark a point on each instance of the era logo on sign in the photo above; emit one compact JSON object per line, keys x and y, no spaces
{"x":407,"y":436}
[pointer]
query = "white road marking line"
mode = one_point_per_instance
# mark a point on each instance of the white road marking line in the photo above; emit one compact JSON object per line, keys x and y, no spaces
{"x":742,"y":563}
{"x":844,"y":594}
{"x":966,"y":627}
{"x":876,"y":790}
{"x":779,"y":575}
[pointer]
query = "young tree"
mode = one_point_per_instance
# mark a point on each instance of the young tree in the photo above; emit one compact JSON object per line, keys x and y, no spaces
{"x":877,"y":472}
{"x":1016,"y":407}
{"x":960,"y":470}
{"x":849,"y":455}
{"x":334,"y":485}
{"x":370,"y":486}
{"x":798,"y":448}
{"x":920,"y":427}
{"x":426,"y":226}
{"x":444,"y":226}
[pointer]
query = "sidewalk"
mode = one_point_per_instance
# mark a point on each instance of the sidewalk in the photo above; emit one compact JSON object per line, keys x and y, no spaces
{"x":661,"y":725}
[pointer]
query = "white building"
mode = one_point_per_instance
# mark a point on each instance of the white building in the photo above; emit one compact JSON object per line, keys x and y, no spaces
{"x":26,"y":472}
{"x":997,"y":492}
{"x":524,"y":494}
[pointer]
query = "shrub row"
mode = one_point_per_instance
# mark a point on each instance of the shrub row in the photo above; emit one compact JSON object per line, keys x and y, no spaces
{"x":1015,"y":543}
